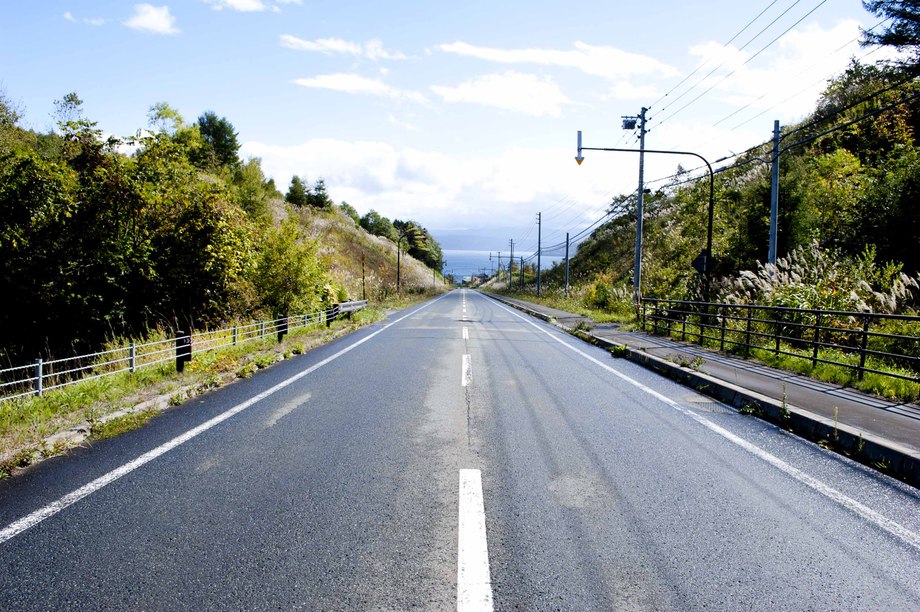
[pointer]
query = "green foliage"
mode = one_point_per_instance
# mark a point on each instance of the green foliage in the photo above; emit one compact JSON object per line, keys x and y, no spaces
{"x":219,"y":144}
{"x":297,"y":194}
{"x":350,"y":212}
{"x":250,"y":189}
{"x":378,"y":225}
{"x":301,"y":194}
{"x":419,"y":243}
{"x":288,"y":276}
{"x":164,"y":118}
{"x":903,"y":29}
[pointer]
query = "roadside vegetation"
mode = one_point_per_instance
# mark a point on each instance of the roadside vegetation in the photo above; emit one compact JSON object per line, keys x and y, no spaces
{"x":849,"y":183}
{"x":104,"y":240}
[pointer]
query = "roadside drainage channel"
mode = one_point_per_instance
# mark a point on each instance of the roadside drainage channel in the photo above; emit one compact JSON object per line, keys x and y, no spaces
{"x":869,"y":449}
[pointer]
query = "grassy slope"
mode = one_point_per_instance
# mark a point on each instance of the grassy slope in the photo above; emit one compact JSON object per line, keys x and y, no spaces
{"x":343,"y":246}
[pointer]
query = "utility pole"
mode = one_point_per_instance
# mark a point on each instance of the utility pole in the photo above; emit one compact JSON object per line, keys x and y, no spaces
{"x":491,"y":267}
{"x":539,"y":246}
{"x":774,"y":195}
{"x":511,"y":263}
{"x":499,"y":271}
{"x":522,"y":274}
{"x":566,"y":264}
{"x":637,"y":265}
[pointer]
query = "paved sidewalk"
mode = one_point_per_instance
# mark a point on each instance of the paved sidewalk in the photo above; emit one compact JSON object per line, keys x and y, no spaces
{"x":893,"y":425}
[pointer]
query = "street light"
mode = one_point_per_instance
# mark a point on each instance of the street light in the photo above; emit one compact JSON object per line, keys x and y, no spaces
{"x":703,"y":263}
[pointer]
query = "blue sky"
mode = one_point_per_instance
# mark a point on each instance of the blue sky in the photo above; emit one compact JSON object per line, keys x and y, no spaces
{"x":459,"y":115}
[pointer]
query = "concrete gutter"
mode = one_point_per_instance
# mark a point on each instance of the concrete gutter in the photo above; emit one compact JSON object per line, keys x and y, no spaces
{"x":872,"y":450}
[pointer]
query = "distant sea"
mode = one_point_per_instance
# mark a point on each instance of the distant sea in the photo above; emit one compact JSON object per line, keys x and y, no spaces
{"x":467,"y":263}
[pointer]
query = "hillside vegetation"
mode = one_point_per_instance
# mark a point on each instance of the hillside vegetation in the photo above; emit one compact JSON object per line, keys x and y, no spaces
{"x":104,"y":238}
{"x":849,"y":184}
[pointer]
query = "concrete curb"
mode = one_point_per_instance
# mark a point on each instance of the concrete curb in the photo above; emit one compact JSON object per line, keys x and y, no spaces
{"x":878,"y":453}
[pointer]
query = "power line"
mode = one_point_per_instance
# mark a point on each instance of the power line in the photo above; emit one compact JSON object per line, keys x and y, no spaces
{"x":711,"y":72}
{"x":849,"y":106}
{"x":786,"y":99}
{"x":761,"y":50}
{"x":849,"y":123}
{"x":704,"y":62}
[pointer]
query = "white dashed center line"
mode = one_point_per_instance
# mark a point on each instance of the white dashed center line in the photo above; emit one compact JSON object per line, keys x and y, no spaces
{"x":474,"y":585}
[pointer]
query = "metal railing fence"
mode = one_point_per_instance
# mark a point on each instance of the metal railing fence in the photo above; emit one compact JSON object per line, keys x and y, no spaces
{"x":42,"y":375}
{"x":869,"y":340}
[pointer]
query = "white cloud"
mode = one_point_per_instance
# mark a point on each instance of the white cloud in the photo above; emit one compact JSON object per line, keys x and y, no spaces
{"x":400,"y":123}
{"x":438,"y":190}
{"x":244,"y":6}
{"x":357,"y":84}
{"x":153,"y":19}
{"x":372,"y":49}
{"x":93,"y":21}
{"x":787,"y":78}
{"x":523,"y":93}
{"x":606,"y":62}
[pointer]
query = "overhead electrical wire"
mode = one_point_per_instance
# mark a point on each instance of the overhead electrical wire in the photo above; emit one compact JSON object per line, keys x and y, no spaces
{"x":704,"y":62}
{"x":747,"y":61}
{"x":799,"y":92}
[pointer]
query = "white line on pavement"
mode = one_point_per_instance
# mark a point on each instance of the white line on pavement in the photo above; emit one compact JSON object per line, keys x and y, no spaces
{"x":29,"y":521}
{"x":466,"y":334}
{"x":466,"y":371}
{"x":474,"y":585}
{"x":892,"y":527}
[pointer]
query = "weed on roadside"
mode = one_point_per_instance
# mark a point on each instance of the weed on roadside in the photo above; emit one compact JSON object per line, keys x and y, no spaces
{"x":123,"y":424}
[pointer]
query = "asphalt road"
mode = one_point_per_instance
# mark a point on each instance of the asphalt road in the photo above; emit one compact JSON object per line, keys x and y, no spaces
{"x":458,"y":455}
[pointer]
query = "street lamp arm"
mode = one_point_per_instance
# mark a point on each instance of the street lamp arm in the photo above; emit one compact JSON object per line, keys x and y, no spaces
{"x":697,"y":155}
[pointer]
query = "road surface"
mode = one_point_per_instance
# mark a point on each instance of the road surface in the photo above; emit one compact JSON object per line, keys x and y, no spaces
{"x":457,"y":456}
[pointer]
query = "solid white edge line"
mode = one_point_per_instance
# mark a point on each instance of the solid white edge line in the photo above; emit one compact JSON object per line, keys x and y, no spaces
{"x":892,"y":527}
{"x":474,"y":584}
{"x":466,"y":371}
{"x":36,"y":517}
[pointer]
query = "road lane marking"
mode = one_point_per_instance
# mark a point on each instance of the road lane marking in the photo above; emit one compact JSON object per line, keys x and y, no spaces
{"x":883,"y":522}
{"x":466,"y":334}
{"x":466,"y":371}
{"x":474,"y":585}
{"x":36,"y":517}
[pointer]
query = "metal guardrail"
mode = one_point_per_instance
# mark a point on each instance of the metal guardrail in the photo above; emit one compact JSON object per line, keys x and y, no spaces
{"x":42,"y":375}
{"x":795,"y":332}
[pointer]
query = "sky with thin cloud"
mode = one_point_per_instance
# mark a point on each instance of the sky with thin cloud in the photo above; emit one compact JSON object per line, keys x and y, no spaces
{"x":461,"y":116}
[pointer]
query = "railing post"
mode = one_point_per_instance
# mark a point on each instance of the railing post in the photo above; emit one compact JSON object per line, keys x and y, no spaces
{"x":132,"y":358}
{"x":183,"y":349}
{"x":700,"y":317}
{"x":683,"y":325}
{"x":235,"y":335}
{"x":864,"y":343}
{"x":282,"y":328}
{"x":39,"y":377}
{"x":776,"y":331}
{"x":747,"y":334}
{"x":644,"y":319}
{"x":722,"y":337}
{"x":816,"y":339}
{"x":262,"y":328}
